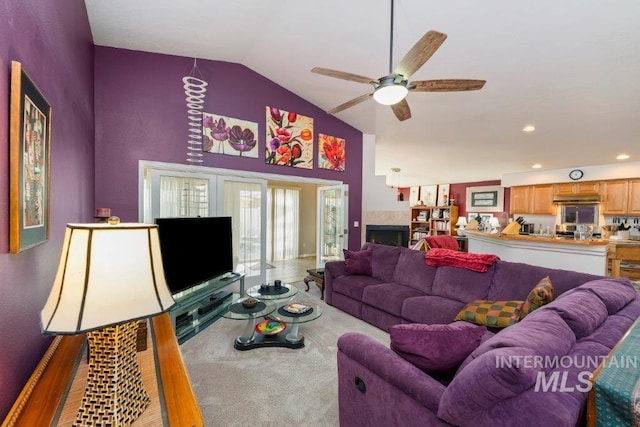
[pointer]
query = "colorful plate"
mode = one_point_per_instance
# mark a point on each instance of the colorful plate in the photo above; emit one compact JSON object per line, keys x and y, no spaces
{"x":270,"y":327}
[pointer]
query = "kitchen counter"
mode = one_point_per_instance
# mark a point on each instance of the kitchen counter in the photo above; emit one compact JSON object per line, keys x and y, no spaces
{"x":543,"y":238}
{"x":587,"y":256}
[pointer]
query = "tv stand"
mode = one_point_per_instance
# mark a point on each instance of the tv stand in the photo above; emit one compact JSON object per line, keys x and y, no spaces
{"x":198,"y":307}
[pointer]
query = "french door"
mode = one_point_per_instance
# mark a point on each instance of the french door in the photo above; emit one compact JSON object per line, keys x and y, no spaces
{"x":332,"y":235}
{"x":174,"y":193}
{"x":243,"y":200}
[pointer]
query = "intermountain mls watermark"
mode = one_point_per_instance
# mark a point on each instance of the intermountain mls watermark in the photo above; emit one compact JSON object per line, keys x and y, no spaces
{"x":554,"y":371}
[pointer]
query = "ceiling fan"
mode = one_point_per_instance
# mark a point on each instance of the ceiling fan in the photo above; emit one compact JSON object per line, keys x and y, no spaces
{"x":393,"y":88}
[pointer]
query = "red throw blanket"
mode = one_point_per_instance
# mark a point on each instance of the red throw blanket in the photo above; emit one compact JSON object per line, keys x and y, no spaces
{"x":446,"y":242}
{"x":471,"y":261}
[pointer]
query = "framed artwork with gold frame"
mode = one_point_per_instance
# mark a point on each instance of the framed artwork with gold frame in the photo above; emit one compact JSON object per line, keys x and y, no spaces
{"x":29,"y":163}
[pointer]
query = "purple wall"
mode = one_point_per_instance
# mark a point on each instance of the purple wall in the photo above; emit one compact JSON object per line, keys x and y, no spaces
{"x":53,"y":42}
{"x":142,"y":115}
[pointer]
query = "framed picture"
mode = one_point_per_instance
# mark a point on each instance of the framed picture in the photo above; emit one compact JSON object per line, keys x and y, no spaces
{"x":29,"y":155}
{"x":471,"y":216}
{"x":413,"y":196}
{"x":485,"y":199}
{"x":486,"y":218}
{"x":289,"y":139}
{"x":230,"y":136}
{"x":443,"y":195}
{"x":428,"y":194}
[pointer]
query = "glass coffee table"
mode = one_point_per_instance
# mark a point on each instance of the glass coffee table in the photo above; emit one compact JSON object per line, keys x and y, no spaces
{"x":270,"y":324}
{"x":237,"y":311}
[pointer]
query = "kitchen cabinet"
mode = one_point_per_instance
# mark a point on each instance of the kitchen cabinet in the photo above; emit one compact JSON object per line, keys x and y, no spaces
{"x":577,"y":188}
{"x":532,"y":199}
{"x":615,"y":197}
{"x":542,"y":199}
{"x":519,"y":200}
{"x":633,"y":203}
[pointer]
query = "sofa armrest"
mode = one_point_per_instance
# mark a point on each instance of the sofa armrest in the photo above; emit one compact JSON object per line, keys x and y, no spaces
{"x":391,"y":368}
{"x":332,"y":269}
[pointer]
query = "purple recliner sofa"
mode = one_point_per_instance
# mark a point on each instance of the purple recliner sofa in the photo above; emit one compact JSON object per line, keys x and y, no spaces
{"x":532,"y":373}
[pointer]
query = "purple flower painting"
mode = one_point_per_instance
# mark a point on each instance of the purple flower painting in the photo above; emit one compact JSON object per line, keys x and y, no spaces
{"x":226,"y":135}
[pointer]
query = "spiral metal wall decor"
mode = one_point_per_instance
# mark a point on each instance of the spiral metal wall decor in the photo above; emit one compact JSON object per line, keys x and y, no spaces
{"x":194,"y":89}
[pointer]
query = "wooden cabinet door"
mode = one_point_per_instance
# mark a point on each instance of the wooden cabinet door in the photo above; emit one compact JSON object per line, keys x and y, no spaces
{"x":565,"y":189}
{"x":633,"y":203}
{"x":519,"y":199}
{"x":615,"y":197}
{"x":542,"y":199}
{"x":592,"y":187}
{"x":577,"y":188}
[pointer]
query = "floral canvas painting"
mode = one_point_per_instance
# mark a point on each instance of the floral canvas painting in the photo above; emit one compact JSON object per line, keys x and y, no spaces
{"x":331,"y":152}
{"x":289,"y":139}
{"x":226,"y":135}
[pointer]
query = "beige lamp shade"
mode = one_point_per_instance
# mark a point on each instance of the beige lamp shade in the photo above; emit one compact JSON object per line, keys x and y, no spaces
{"x":108,"y":274}
{"x":462,"y":222}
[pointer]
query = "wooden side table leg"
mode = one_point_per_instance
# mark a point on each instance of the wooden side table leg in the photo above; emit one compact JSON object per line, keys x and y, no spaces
{"x":306,"y":282}
{"x":320,"y":284}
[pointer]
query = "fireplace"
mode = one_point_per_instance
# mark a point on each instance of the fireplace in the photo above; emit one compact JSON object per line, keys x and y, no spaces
{"x":391,"y":235}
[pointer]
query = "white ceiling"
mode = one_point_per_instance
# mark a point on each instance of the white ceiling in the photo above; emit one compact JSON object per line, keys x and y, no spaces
{"x":570,"y":67}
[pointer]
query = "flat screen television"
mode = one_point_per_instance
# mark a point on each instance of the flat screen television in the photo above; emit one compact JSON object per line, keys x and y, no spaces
{"x":194,"y":250}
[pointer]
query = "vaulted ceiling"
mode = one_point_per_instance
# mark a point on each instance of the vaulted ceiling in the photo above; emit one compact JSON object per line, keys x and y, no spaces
{"x":571,"y":68}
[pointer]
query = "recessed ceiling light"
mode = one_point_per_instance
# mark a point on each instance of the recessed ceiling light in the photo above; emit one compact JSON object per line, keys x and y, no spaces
{"x":622,"y":157}
{"x":536,"y":166}
{"x":528,"y":128}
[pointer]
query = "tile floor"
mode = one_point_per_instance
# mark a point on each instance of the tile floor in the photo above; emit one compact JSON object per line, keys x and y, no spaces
{"x":290,"y":271}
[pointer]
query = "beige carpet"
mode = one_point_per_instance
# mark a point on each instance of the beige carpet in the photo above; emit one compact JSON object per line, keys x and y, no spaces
{"x":271,"y":386}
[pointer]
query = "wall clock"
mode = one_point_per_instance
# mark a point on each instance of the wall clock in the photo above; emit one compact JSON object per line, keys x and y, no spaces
{"x":576,"y":174}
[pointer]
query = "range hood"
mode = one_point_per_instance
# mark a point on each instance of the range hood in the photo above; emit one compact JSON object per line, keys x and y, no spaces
{"x":587,"y":199}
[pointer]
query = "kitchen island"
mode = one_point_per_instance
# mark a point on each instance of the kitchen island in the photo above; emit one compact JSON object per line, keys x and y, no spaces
{"x":586,"y":256}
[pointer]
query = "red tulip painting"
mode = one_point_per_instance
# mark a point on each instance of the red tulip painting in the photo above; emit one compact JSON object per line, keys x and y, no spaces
{"x":289,"y":139}
{"x":331,"y":152}
{"x":226,"y":135}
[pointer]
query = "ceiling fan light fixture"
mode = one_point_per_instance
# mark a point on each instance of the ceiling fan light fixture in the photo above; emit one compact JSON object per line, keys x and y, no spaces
{"x":390,"y":94}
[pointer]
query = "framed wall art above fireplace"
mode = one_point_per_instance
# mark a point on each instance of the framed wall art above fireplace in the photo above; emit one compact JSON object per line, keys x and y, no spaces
{"x":29,"y":171}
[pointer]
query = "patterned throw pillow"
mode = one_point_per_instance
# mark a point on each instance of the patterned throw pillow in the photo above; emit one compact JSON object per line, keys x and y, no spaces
{"x":540,"y":295}
{"x":494,"y":314}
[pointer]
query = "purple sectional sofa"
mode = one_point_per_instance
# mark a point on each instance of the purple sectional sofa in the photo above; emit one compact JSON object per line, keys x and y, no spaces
{"x":514,"y":377}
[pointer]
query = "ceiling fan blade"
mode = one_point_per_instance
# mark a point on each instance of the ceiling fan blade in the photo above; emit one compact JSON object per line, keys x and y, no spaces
{"x":350,"y":104}
{"x":420,"y":53}
{"x":342,"y":75}
{"x":402,"y":110}
{"x":447,"y":85}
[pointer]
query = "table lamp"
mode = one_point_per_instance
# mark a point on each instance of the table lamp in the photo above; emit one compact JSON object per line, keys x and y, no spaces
{"x":110,"y":275}
{"x":494,"y":223}
{"x":461,"y":224}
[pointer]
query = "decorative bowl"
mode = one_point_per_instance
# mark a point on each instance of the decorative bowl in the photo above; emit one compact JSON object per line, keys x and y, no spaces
{"x":249,"y":303}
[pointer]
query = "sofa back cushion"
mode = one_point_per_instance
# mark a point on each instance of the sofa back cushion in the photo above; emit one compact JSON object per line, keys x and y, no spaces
{"x":582,"y":310}
{"x":412,"y":271}
{"x":463,"y":285}
{"x":383,"y":260}
{"x":482,"y":385}
{"x":514,"y":280}
{"x":614,"y":293}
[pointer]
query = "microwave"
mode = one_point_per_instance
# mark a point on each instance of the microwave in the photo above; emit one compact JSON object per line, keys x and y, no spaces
{"x":579,"y":214}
